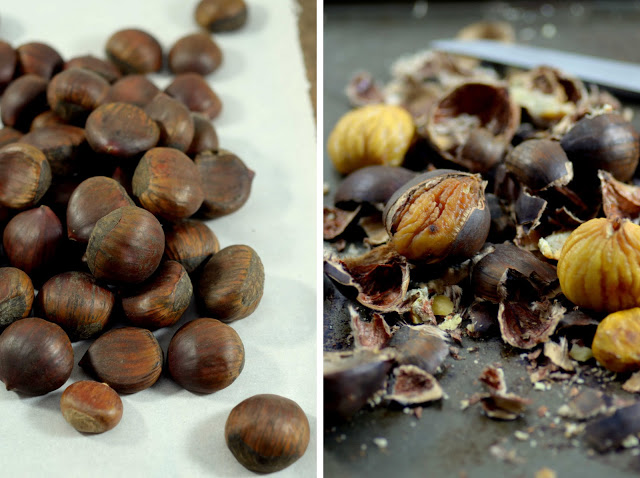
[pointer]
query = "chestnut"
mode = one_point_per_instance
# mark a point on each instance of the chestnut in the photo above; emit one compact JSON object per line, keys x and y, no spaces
{"x":36,"y":356}
{"x":134,"y":51}
{"x":91,"y":407}
{"x":104,"y":68}
{"x":205,"y":356}
{"x":168,"y":183}
{"x":438,"y":215}
{"x":40,"y":59}
{"x":24,"y":99}
{"x":161,"y":301}
{"x":8,"y":60}
{"x":196,"y":94}
{"x":125,"y":246}
{"x":121,"y":130}
{"x":221,"y":15}
{"x":232,"y":282}
{"x":32,"y":239}
{"x":128,"y":359}
{"x":540,"y":164}
{"x":9,"y":135}
{"x":174,"y":119}
{"x":267,"y":433}
{"x":90,"y":201}
{"x":226,"y":182}
{"x":25,"y":175}
{"x":44,"y":119}
{"x":16,"y":295}
{"x":196,"y":53}
{"x":62,"y":145}
{"x":135,"y":89}
{"x":77,"y":303}
{"x":191,"y":243}
{"x":205,"y":137}
{"x":74,"y":93}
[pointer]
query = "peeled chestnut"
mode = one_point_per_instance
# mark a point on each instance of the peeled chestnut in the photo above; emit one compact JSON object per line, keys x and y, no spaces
{"x":128,"y":359}
{"x":190,"y":243}
{"x":74,"y":93}
{"x":226,"y":182}
{"x":135,"y":89}
{"x":125,"y":246}
{"x":36,"y":356}
{"x":221,"y":15}
{"x":438,"y":215}
{"x":32,"y":239}
{"x":77,"y":303}
{"x":232,"y":283}
{"x":25,"y":175}
{"x":134,"y":51}
{"x":161,"y":301}
{"x":196,"y":94}
{"x":168,"y":183}
{"x":16,"y":295}
{"x":267,"y":433}
{"x":91,"y":407}
{"x":174,"y":119}
{"x":205,"y":356}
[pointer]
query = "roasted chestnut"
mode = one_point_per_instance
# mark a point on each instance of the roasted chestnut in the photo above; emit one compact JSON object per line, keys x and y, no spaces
{"x":190,"y":243}
{"x":205,"y":356}
{"x":438,"y":215}
{"x":267,"y":433}
{"x":540,"y":164}
{"x":16,"y":295}
{"x":25,"y":175}
{"x":91,"y":407}
{"x":36,"y":356}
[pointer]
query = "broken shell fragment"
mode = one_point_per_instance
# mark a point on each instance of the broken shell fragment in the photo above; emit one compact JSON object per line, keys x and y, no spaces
{"x":437,"y":215}
{"x":608,"y":433}
{"x":373,"y":334}
{"x":411,"y":386}
{"x":363,"y":90}
{"x":424,"y":346}
{"x":526,"y":325}
{"x":336,"y":221}
{"x":619,"y":200}
{"x":540,"y":164}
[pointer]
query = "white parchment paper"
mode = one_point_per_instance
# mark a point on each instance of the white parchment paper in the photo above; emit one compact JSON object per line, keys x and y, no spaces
{"x":267,"y":120}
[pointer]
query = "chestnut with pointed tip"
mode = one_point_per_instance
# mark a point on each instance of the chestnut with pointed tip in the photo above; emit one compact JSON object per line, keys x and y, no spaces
{"x":267,"y":433}
{"x":91,"y":407}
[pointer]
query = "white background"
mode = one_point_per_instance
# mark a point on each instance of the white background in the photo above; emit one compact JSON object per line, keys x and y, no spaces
{"x":267,"y":120}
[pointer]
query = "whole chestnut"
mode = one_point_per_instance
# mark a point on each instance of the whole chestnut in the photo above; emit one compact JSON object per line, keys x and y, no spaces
{"x":191,"y":243}
{"x":125,"y":246}
{"x":104,"y":68}
{"x":438,"y":215}
{"x":91,"y":407}
{"x":25,"y":175}
{"x":36,"y":356}
{"x":221,"y":15}
{"x":63,"y":145}
{"x":232,"y":282}
{"x":540,"y":164}
{"x":8,"y":60}
{"x":205,"y":356}
{"x":9,"y":135}
{"x":161,"y":301}
{"x":134,"y":51}
{"x":16,"y":295}
{"x":74,"y":93}
{"x":192,"y":90}
{"x":205,"y":137}
{"x":77,"y":303}
{"x":24,"y":99}
{"x":32,"y":239}
{"x":128,"y":359}
{"x":40,"y":59}
{"x":267,"y":433}
{"x":174,"y":119}
{"x":135,"y":89}
{"x":196,"y":53}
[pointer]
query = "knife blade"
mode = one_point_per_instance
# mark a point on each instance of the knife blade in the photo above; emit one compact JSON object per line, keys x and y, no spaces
{"x":622,"y":77}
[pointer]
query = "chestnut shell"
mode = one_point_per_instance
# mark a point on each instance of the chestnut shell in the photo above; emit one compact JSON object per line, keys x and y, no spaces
{"x":16,"y":295}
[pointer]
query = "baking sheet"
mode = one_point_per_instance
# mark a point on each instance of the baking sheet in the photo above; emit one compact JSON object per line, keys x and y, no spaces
{"x":447,"y":441}
{"x":166,"y":430}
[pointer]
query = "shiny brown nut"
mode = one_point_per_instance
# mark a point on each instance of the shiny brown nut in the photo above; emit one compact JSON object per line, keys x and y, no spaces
{"x":540,"y":164}
{"x":74,"y":93}
{"x":125,"y":246}
{"x":191,"y":243}
{"x":438,"y":215}
{"x":32,"y":240}
{"x":195,"y":53}
{"x":175,"y":121}
{"x":25,"y":175}
{"x":267,"y":433}
{"x":205,"y":137}
{"x":36,"y":356}
{"x":77,"y":303}
{"x":160,"y":301}
{"x":39,"y":59}
{"x":135,"y":89}
{"x":91,"y":407}
{"x":232,"y":283}
{"x":168,"y":183}
{"x":196,"y":94}
{"x":104,"y":68}
{"x":122,"y":130}
{"x":24,"y":99}
{"x":134,"y":51}
{"x":9,"y":135}
{"x":93,"y":199}
{"x":221,"y":15}
{"x":8,"y":61}
{"x":63,"y":145}
{"x":46,"y":118}
{"x":226,"y":182}
{"x":128,"y":359}
{"x":205,"y":356}
{"x":16,"y":295}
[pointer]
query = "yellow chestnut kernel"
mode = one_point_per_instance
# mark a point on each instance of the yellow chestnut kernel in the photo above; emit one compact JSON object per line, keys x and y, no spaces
{"x":616,"y":345}
{"x":371,"y":135}
{"x":442,"y":305}
{"x":599,"y":265}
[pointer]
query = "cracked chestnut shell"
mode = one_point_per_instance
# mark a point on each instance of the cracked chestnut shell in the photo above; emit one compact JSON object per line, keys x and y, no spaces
{"x":36,"y":356}
{"x":540,"y":164}
{"x":599,"y":265}
{"x":16,"y":295}
{"x":232,"y":283}
{"x":91,"y":407}
{"x":267,"y":433}
{"x":205,"y":355}
{"x":438,"y":215}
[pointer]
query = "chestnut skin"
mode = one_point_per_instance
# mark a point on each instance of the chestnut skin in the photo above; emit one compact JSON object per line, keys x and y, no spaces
{"x":91,"y":407}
